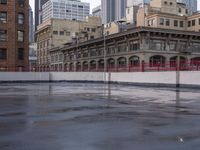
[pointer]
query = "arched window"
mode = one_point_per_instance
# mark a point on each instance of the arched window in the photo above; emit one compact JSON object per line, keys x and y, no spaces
{"x":121,"y":62}
{"x":134,"y":61}
{"x":93,"y":65}
{"x":157,"y":60}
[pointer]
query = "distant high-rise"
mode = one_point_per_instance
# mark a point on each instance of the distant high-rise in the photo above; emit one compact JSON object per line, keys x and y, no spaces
{"x":38,"y":12}
{"x":113,"y":10}
{"x":97,"y":11}
{"x":191,"y":4}
{"x":65,"y":9}
{"x":137,"y":2}
{"x":31,"y":26}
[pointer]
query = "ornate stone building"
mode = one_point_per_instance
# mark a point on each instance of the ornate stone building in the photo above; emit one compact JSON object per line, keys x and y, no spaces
{"x":130,"y":50}
{"x":56,"y":32}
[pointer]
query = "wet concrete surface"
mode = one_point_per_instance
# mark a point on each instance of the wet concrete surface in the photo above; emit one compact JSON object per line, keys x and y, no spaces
{"x":76,"y":116}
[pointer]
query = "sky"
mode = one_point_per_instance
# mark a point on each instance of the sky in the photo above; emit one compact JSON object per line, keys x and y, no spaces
{"x":94,"y":3}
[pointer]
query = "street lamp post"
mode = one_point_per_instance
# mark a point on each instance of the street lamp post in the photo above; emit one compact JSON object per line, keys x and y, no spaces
{"x":178,"y":64}
{"x":104,"y":53}
{"x":178,"y":71}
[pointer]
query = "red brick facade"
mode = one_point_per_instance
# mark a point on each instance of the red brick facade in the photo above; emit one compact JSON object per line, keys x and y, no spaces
{"x":15,"y":60}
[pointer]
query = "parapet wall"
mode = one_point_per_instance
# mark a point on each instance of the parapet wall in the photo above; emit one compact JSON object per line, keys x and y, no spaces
{"x":187,"y":79}
{"x":24,"y":76}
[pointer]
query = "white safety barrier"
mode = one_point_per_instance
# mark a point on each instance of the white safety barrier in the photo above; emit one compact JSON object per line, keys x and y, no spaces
{"x":151,"y":78}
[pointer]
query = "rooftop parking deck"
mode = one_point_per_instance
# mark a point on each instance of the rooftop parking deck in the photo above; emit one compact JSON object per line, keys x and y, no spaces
{"x":77,"y":116}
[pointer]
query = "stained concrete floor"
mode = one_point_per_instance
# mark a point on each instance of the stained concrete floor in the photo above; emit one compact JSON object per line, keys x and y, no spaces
{"x":77,"y":116}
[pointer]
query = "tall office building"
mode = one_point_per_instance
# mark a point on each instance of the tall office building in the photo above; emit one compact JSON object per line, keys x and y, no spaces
{"x":31,"y":26}
{"x":97,"y":11}
{"x":38,"y":12}
{"x":65,"y":9}
{"x":113,"y":10}
{"x":191,"y":4}
{"x":137,"y":2}
{"x":14,"y":35}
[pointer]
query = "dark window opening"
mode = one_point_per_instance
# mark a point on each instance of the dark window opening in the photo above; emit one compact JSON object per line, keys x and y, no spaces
{"x":21,"y":54}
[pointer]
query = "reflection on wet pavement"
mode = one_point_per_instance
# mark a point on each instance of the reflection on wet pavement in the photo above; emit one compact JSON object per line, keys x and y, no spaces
{"x":76,"y":116}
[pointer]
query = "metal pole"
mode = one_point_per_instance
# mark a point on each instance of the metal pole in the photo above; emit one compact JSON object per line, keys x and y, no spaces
{"x":104,"y":35}
{"x":178,"y":72}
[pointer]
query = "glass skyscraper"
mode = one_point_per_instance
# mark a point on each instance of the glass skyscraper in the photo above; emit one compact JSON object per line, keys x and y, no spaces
{"x":113,"y":10}
{"x":137,"y":2}
{"x":191,"y":4}
{"x":38,"y":12}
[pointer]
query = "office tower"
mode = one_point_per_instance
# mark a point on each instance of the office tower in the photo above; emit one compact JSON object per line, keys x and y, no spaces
{"x":137,"y":2}
{"x":113,"y":10}
{"x":191,"y":4}
{"x":65,"y":9}
{"x":14,"y":35}
{"x":38,"y":12}
{"x":97,"y":11}
{"x":31,"y":26}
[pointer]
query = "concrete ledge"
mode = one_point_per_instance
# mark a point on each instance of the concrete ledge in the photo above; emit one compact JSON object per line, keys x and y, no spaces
{"x":24,"y":76}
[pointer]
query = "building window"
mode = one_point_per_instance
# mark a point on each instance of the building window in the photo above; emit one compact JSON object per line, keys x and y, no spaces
{"x":199,"y":21}
{"x":110,"y":50}
{"x":93,"y":30}
{"x":68,"y":33}
{"x":91,"y":37}
{"x":62,"y":33}
{"x":181,"y":24}
{"x":21,"y":3}
{"x":122,"y":47}
{"x":193,"y":22}
{"x":20,"y":36}
{"x":167,"y":22}
{"x":189,"y":23}
{"x":171,"y":3}
{"x":179,"y":10}
{"x":20,"y":19}
{"x":3,"y":1}
{"x":158,"y":45}
{"x":93,"y":52}
{"x":162,"y":21}
{"x":186,"y":11}
{"x":20,"y":53}
{"x":165,"y":2}
{"x":55,"y":32}
{"x":175,"y":23}
{"x":172,"y":45}
{"x":3,"y":54}
{"x":3,"y":35}
{"x":134,"y":45}
{"x":3,"y":17}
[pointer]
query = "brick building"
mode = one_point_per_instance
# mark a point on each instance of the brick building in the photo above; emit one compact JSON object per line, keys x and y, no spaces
{"x":14,"y":35}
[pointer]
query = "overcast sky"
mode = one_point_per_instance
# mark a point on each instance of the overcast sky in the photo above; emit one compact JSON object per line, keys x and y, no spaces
{"x":94,"y":3}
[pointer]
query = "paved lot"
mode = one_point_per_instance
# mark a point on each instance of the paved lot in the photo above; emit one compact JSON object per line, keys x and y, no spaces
{"x":66,"y":116}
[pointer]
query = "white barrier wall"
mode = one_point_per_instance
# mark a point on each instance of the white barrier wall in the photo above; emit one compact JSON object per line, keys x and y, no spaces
{"x":77,"y":76}
{"x":164,"y":78}
{"x":23,"y":76}
{"x":190,"y":78}
{"x":145,"y":77}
